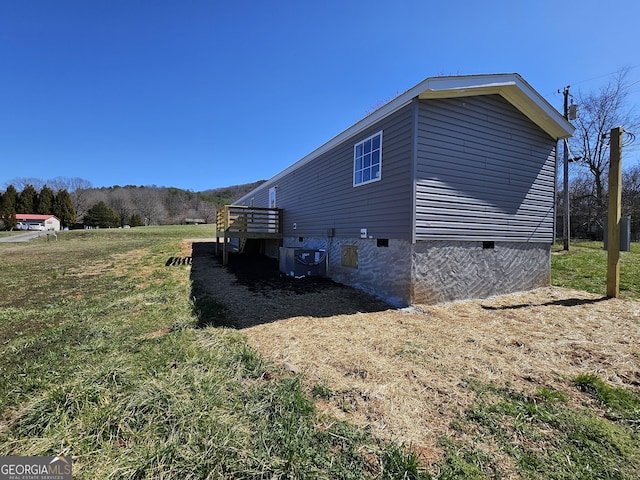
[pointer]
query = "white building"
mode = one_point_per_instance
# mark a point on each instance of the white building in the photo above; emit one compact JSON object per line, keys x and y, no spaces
{"x":39,"y":222}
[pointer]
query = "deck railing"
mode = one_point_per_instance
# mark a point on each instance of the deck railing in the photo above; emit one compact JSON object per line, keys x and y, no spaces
{"x":236,"y":221}
{"x":239,"y":219}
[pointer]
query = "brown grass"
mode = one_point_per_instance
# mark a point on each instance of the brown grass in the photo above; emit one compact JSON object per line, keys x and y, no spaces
{"x":403,"y":373}
{"x":117,"y":262}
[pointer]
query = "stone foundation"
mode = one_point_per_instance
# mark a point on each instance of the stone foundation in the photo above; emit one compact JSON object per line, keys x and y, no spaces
{"x":384,"y":272}
{"x":447,"y":271}
{"x":430,"y":272}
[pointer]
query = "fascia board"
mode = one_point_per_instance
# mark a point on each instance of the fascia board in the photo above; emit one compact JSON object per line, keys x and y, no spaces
{"x":540,"y":112}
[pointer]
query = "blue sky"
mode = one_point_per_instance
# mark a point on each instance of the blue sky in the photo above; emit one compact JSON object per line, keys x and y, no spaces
{"x":201,"y":94}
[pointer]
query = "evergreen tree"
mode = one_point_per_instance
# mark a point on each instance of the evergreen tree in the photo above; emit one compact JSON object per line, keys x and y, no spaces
{"x":8,"y":208}
{"x":27,"y":200}
{"x":100,"y":215}
{"x":135,"y":220}
{"x":46,"y":199}
{"x":63,"y":208}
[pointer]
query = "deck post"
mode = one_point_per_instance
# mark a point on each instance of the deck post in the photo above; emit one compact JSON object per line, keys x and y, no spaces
{"x":243,"y":223}
{"x":613,"y":230}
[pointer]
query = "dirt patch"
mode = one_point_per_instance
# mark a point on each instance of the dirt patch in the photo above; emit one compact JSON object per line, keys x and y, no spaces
{"x":405,"y":374}
{"x":254,"y":292}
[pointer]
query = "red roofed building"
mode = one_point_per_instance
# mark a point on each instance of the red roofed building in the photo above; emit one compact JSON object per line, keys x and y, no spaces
{"x":32,"y":221}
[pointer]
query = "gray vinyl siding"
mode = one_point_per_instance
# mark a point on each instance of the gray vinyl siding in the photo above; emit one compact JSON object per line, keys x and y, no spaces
{"x":484,"y":172}
{"x":320,"y":195}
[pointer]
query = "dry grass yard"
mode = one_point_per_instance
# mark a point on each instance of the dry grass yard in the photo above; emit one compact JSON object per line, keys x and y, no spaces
{"x":138,"y":354}
{"x":408,"y":375}
{"x":404,"y":374}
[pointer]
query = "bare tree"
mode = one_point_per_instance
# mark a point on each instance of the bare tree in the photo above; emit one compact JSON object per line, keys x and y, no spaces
{"x":148,"y":204}
{"x":599,"y":113}
{"x":120,"y":201}
{"x":23,"y":182}
{"x":80,"y":193}
{"x":177,"y":204}
{"x":77,"y":183}
{"x":207,"y":211}
{"x":585,"y":221}
{"x":59,"y":183}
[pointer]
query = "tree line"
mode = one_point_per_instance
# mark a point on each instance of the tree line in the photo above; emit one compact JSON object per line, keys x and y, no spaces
{"x":29,"y":200}
{"x":589,"y":212}
{"x":77,"y":203}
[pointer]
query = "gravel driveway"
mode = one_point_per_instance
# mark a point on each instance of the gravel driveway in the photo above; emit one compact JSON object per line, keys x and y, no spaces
{"x":23,"y":237}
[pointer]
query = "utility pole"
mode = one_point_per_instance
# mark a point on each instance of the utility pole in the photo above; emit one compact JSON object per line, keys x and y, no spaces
{"x":613,"y":222}
{"x":566,"y":231}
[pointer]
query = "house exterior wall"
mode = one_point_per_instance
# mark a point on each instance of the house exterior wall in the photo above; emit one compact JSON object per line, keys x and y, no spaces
{"x":456,"y":173}
{"x":485,"y":192}
{"x":484,"y":172}
{"x":320,"y":195}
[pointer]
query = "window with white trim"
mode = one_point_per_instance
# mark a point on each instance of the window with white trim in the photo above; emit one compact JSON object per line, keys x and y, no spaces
{"x":367,"y":160}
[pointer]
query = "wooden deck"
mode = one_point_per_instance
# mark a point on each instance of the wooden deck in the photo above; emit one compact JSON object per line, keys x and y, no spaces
{"x":236,"y":221}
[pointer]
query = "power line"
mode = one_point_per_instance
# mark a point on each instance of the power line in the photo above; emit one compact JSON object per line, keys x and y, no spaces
{"x":607,"y":75}
{"x":555,"y":92}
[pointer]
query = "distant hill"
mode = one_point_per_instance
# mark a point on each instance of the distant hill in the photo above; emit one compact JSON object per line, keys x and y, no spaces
{"x":165,"y":205}
{"x":144,"y":204}
{"x":226,"y":195}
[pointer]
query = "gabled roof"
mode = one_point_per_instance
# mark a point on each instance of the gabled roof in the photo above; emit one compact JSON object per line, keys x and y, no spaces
{"x":33,"y":216}
{"x":511,"y":86}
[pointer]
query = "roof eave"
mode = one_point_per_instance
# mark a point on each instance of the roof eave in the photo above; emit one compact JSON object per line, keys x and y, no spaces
{"x":512,"y":87}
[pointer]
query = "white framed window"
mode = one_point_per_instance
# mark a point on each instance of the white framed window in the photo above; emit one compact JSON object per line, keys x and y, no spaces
{"x":367,"y":160}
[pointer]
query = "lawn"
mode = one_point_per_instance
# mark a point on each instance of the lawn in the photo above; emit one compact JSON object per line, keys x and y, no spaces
{"x":584,"y":267}
{"x":103,"y":358}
